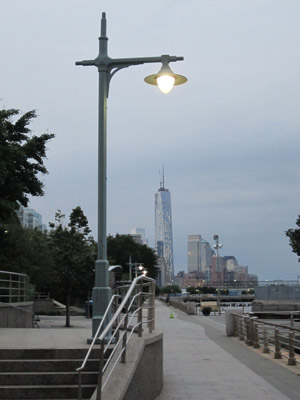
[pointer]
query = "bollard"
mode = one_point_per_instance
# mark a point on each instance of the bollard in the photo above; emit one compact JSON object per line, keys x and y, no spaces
{"x":256,"y":337}
{"x":292,"y":320}
{"x":266,"y":342}
{"x":292,"y":359}
{"x":241,"y":329}
{"x":250,"y":332}
{"x":277,"y":353}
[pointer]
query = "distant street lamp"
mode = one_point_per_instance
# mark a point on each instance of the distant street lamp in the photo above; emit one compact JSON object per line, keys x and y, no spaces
{"x":218,"y":246}
{"x":107,"y":67}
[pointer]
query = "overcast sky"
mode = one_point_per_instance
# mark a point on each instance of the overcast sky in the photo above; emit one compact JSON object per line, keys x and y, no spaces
{"x":229,"y":138}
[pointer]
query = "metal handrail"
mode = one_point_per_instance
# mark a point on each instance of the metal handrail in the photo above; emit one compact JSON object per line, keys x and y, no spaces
{"x":120,"y":320}
{"x":259,"y":333}
{"x":15,"y":286}
{"x":97,"y":333}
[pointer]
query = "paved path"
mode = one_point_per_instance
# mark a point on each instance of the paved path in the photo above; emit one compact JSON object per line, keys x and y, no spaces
{"x":196,"y":367}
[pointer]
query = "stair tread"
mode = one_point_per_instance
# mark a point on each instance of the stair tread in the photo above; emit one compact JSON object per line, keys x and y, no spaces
{"x":48,"y":373}
{"x":45,"y":386}
{"x":45,"y":359}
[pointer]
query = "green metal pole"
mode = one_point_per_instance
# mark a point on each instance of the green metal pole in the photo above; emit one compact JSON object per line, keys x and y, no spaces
{"x":107,"y":67}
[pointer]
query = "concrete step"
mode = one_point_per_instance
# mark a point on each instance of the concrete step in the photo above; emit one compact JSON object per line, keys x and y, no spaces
{"x":47,"y":378}
{"x":46,"y":365}
{"x":45,"y":392}
{"x":27,"y":354}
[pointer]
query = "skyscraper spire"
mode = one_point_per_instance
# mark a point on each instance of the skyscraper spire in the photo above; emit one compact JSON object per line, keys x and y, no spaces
{"x":162,"y":178}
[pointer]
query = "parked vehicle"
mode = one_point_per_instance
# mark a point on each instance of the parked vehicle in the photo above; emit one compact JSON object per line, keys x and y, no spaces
{"x":206,"y":307}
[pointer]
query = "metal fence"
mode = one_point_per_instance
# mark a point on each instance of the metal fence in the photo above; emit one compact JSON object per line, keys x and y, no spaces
{"x":13,"y":287}
{"x":281,"y":340}
{"x":131,"y":308}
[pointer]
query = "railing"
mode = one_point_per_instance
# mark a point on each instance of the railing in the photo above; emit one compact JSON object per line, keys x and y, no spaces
{"x":281,"y":340}
{"x":13,"y":287}
{"x":127,"y":319}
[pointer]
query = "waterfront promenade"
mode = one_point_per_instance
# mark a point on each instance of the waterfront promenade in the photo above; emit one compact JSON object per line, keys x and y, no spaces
{"x":200,"y":361}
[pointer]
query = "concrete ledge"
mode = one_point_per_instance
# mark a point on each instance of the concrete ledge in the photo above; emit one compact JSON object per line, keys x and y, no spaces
{"x":276,"y":305}
{"x":141,"y":377}
{"x":43,"y":305}
{"x":16,"y":315}
{"x":186,"y":306}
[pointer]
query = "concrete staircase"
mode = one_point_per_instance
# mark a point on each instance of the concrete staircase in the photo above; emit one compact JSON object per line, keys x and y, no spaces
{"x":46,"y":374}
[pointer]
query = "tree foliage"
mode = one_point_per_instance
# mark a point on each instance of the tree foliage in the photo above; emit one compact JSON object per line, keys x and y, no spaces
{"x":121,"y":247}
{"x":21,"y":161}
{"x":294,"y":236}
{"x":26,"y":251}
{"x":171,"y":289}
{"x":74,"y":257}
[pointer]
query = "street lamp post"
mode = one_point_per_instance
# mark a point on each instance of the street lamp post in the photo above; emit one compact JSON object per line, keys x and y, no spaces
{"x":107,"y":67}
{"x":218,"y":246}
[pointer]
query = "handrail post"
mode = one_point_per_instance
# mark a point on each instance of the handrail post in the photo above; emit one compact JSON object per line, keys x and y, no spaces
{"x":266,"y":343}
{"x":151,"y":309}
{"x":124,"y":341}
{"x":277,"y":354}
{"x":292,"y":359}
{"x":140,"y":313}
{"x":79,"y":386}
{"x":100,"y":373}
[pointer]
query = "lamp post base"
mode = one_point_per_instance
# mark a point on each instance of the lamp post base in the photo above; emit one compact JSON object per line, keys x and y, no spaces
{"x":101,"y":297}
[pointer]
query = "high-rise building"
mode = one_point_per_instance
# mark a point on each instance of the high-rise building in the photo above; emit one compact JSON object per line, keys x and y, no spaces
{"x":141,"y":233}
{"x":199,"y":254}
{"x":163,"y":229}
{"x":29,"y":218}
{"x":194,"y":253}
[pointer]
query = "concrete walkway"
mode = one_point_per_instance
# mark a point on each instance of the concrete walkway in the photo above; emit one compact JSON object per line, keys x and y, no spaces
{"x":200,"y":362}
{"x":196,"y":368}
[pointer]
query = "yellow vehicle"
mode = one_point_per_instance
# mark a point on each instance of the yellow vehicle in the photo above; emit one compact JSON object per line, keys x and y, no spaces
{"x":206,"y":307}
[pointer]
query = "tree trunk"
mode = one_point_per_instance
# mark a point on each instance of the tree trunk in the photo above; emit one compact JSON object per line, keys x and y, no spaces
{"x":68,"y":311}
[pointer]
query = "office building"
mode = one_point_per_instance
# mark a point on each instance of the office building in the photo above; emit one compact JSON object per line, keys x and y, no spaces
{"x":199,"y":254}
{"x":163,"y":229}
{"x":139,"y":232}
{"x":194,"y":253}
{"x":30,"y":219}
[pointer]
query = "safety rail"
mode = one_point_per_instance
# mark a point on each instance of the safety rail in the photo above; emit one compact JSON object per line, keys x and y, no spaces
{"x":13,"y":287}
{"x":282,"y":340}
{"x":125,"y":320}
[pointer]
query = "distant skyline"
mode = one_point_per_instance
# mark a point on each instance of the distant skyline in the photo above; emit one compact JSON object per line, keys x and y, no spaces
{"x":229,"y":137}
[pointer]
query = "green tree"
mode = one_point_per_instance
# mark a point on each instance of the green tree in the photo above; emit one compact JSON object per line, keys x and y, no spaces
{"x":21,"y":161}
{"x":27,"y":251}
{"x":171,"y":289}
{"x":74,"y":257}
{"x":294,"y":236}
{"x":121,"y":247}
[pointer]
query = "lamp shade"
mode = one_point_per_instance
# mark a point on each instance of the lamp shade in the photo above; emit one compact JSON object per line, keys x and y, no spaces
{"x":165,"y":79}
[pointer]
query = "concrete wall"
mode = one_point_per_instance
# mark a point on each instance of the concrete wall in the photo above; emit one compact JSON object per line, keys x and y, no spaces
{"x":273,"y":305}
{"x":132,"y":380}
{"x":16,"y":315}
{"x":277,"y":292}
{"x":187,"y":307}
{"x":43,"y":306}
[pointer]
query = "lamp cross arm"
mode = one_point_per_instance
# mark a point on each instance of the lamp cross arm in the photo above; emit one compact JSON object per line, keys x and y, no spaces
{"x":116,"y":62}
{"x":126,"y":62}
